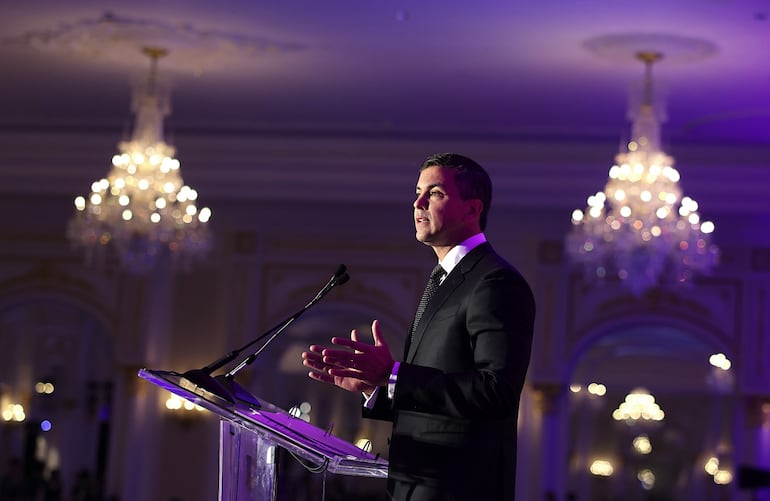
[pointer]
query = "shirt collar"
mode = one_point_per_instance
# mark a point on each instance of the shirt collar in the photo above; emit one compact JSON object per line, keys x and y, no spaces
{"x":460,"y":250}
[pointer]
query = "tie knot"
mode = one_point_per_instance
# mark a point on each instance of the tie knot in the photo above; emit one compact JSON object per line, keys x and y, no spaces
{"x":437,"y":273}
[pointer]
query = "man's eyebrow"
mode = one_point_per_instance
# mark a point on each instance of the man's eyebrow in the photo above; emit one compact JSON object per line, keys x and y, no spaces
{"x":431,"y":186}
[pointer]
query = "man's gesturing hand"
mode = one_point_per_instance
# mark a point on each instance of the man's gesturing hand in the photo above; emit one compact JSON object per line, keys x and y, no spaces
{"x":358,"y":367}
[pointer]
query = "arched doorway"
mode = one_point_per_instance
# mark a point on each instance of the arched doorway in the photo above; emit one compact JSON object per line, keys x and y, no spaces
{"x":632,"y":458}
{"x":57,"y":364}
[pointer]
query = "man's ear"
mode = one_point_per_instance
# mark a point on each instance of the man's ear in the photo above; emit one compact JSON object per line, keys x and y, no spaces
{"x":475,"y":206}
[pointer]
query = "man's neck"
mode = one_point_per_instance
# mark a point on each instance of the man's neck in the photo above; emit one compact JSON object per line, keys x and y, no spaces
{"x":469,"y":243}
{"x":441,"y":252}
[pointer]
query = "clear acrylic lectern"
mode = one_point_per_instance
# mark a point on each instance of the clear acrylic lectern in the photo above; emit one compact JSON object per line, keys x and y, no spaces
{"x":250,"y":433}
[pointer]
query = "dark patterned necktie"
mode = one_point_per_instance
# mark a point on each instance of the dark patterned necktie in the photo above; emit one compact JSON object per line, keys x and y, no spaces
{"x":433,"y":282}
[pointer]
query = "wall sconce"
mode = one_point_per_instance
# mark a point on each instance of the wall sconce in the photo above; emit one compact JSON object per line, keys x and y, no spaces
{"x":182,"y":411}
{"x":646,"y":478}
{"x":597,"y":389}
{"x":601,"y":468}
{"x":181,"y":407}
{"x":642,"y":444}
{"x":721,"y":474}
{"x":44,"y":388}
{"x":13,"y":413}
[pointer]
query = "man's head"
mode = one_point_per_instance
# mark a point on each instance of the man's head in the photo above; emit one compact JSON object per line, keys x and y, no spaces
{"x":453,"y":196}
{"x":471,"y":178}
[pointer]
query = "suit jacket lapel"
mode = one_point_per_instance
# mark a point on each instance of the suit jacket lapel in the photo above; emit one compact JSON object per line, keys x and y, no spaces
{"x":451,"y":282}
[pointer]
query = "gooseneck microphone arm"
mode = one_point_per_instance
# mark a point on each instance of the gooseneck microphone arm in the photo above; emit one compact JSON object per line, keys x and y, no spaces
{"x":340,"y":277}
{"x":224,"y":386}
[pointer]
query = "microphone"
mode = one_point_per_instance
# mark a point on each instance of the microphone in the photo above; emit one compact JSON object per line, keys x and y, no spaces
{"x":223,"y":386}
{"x":340,"y":277}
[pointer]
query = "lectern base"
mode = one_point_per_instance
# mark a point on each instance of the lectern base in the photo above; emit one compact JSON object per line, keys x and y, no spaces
{"x":246,"y":465}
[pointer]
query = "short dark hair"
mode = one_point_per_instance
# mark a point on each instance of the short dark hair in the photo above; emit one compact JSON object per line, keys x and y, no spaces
{"x":471,"y":178}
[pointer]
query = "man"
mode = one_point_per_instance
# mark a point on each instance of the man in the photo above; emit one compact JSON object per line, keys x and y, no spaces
{"x":454,"y":398}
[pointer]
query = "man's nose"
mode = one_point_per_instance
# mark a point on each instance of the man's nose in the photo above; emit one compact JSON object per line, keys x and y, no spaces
{"x":421,"y":202}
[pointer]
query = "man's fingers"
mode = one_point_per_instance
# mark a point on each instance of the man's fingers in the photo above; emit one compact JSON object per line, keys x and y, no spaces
{"x":311,"y":354}
{"x":321,"y":376}
{"x":336,"y":354}
{"x":339,"y":372}
{"x":377,"y":335}
{"x":315,"y":358}
{"x":353,"y":359}
{"x":350,"y":343}
{"x":314,"y":364}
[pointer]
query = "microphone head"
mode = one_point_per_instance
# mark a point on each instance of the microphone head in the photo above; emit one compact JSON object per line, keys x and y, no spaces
{"x":341,"y":269}
{"x":341,"y":279}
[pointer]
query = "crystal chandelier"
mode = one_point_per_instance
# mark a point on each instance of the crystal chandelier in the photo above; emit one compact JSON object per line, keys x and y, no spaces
{"x":142,"y":207}
{"x":640,"y":229}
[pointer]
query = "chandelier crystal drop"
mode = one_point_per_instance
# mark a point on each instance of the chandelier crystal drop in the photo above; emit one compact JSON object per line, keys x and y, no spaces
{"x":641,"y":229}
{"x":142,"y":208}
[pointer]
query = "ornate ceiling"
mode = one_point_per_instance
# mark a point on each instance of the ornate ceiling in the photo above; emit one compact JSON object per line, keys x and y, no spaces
{"x":338,"y":97}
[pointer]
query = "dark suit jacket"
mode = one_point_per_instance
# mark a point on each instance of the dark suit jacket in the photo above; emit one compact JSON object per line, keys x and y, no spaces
{"x":455,"y":408}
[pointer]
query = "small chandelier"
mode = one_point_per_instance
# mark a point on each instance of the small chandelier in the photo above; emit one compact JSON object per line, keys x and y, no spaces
{"x":640,"y":229}
{"x":142,"y":207}
{"x":638,"y":405}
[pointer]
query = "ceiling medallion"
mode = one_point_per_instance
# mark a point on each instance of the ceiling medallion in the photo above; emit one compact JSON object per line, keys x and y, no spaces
{"x":120,"y":39}
{"x":624,"y":47}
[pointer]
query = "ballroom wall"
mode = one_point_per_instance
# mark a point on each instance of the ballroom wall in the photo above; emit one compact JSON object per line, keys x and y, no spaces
{"x":93,"y":329}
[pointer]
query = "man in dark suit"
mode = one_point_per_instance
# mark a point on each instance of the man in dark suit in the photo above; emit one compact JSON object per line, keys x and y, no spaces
{"x":454,"y":398}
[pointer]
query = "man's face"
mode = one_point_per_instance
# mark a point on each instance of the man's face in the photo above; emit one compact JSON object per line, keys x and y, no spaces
{"x":441,"y":217}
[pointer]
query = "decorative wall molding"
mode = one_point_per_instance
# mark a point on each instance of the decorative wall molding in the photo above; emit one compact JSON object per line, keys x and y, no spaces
{"x":346,"y":166}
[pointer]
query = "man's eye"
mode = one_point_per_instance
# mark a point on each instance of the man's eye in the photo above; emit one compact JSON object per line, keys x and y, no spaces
{"x":435,"y":194}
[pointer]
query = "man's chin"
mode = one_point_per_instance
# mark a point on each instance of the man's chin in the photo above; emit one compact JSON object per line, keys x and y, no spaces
{"x":425,"y":239}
